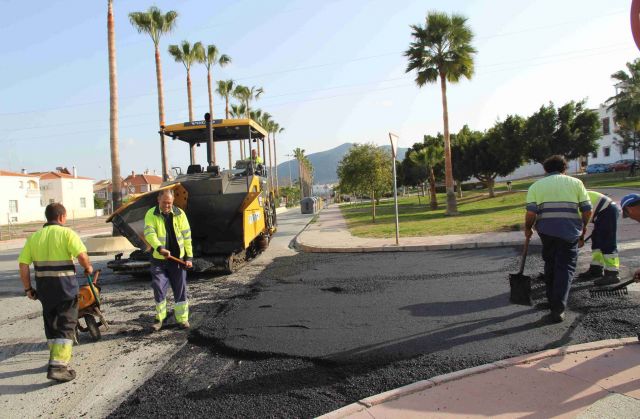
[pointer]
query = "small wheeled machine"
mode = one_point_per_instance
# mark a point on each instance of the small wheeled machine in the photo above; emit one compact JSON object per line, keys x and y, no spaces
{"x":89,"y":308}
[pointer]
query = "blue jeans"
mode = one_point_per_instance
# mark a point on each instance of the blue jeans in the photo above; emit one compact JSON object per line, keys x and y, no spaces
{"x":560,"y":258}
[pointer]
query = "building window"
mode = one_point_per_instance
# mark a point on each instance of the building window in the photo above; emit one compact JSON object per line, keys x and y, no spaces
{"x":32,"y":185}
{"x":605,"y":126}
{"x":21,"y":184}
{"x":624,"y":148}
{"x":594,"y":154}
{"x":52,"y":201}
{"x":606,"y":151}
{"x":83,"y":202}
{"x":13,"y":206}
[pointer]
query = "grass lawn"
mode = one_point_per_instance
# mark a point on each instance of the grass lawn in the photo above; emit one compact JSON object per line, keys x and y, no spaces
{"x":479,"y":214}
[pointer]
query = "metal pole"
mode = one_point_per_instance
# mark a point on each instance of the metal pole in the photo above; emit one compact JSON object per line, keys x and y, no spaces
{"x":395,"y":186}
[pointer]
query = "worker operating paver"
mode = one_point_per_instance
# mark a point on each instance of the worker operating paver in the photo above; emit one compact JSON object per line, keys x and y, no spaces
{"x":605,"y":262}
{"x":51,"y":250}
{"x":559,"y":207}
{"x":167,"y":230}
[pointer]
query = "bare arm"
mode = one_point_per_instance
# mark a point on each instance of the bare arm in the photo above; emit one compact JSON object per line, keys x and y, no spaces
{"x":25,"y":277}
{"x":83,"y":260}
{"x":529,"y":221}
{"x":586,"y":216}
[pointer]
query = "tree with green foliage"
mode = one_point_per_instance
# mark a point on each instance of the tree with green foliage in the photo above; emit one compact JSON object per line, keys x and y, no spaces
{"x":366,"y":169}
{"x":430,"y":156}
{"x":626,"y":106}
{"x":498,"y":152}
{"x":441,"y":49}
{"x":571,"y":131}
{"x":155,"y":23}
{"x":461,"y":156}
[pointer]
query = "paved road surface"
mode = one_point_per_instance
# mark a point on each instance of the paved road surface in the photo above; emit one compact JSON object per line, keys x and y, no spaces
{"x":318,"y":331}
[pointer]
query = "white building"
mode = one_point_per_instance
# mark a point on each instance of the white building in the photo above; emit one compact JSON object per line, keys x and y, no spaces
{"x":20,"y":201}
{"x":71,"y":190}
{"x":608,"y":149}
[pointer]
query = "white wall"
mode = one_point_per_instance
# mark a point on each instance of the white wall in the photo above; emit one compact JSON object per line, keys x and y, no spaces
{"x":18,"y":188}
{"x":608,"y":141}
{"x":69,"y":191}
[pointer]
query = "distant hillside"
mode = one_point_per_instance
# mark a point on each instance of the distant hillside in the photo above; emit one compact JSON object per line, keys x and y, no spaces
{"x":325,"y":164}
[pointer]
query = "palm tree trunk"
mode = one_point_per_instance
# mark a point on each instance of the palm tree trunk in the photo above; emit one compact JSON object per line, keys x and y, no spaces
{"x":452,"y":208}
{"x":116,"y":187}
{"x":373,"y":206}
{"x":192,"y":147}
{"x":432,"y":189}
{"x":226,"y":115}
{"x":163,"y":145}
{"x":211,"y":111}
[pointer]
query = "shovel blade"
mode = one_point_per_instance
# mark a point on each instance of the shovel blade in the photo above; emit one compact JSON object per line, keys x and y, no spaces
{"x":520,"y":289}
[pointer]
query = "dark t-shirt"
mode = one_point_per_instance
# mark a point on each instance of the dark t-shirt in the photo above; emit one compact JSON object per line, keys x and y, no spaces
{"x":172,"y":241}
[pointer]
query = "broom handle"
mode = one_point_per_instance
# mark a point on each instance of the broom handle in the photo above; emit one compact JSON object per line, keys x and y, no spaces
{"x":524,"y":255}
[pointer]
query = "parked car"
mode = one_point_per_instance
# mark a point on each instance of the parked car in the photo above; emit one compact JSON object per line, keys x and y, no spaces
{"x":598,"y":168}
{"x":622,"y":165}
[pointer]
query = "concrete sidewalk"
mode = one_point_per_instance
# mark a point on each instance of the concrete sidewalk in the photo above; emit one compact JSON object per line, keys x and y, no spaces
{"x":593,"y":380}
{"x":329,"y":233}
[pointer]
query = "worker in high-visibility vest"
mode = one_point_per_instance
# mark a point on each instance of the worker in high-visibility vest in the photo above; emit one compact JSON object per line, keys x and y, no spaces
{"x":52,"y":250}
{"x":559,"y":207}
{"x":630,"y":205}
{"x":167,"y":230}
{"x":255,"y":158}
{"x":605,"y":262}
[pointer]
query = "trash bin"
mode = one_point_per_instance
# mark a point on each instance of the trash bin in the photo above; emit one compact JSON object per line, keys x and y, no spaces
{"x":307,"y":205}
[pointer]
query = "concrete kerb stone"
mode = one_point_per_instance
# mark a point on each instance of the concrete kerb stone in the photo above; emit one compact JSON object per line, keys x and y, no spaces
{"x":458,"y":375}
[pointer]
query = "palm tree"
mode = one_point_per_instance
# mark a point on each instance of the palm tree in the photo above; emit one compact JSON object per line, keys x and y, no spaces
{"x":116,"y":186}
{"x":225,"y":90}
{"x":246,"y":95}
{"x":210,"y":58}
{"x":187,"y":55}
{"x":156,"y":24}
{"x":442,"y":49}
{"x":626,"y":106}
{"x":298,"y":153}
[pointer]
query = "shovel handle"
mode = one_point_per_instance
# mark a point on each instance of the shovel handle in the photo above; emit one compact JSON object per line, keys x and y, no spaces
{"x":176,"y":260}
{"x":525,"y":249}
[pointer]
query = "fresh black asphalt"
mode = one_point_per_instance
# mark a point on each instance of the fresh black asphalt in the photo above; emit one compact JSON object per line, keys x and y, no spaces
{"x":316,"y":332}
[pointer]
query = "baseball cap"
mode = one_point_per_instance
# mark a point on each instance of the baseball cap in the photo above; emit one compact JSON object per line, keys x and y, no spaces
{"x":629,"y":199}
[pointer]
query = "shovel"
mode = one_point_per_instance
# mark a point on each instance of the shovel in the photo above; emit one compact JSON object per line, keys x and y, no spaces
{"x":521,"y":284}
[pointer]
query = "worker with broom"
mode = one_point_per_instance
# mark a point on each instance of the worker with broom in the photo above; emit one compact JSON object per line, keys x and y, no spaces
{"x":52,"y":250}
{"x":559,"y":207}
{"x":167,"y":230}
{"x":605,"y":262}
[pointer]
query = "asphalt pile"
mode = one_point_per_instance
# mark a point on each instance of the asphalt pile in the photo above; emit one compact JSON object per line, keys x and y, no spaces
{"x":317,"y":332}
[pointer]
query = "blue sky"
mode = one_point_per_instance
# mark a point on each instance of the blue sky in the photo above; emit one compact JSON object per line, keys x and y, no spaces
{"x":332,"y":71}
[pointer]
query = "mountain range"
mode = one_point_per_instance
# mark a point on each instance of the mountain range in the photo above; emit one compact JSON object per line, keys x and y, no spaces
{"x":325,"y":164}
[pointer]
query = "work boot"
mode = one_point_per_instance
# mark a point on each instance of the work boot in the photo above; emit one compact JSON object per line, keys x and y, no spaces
{"x":185,"y":325}
{"x":594,"y":272}
{"x":60,"y":373}
{"x":157,"y":325}
{"x":553,"y":317}
{"x":609,"y":278}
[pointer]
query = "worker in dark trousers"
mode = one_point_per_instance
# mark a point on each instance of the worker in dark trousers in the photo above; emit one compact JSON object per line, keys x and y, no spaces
{"x":630,"y":205}
{"x":167,"y":230}
{"x":605,"y":262}
{"x":559,"y":208}
{"x":52,"y":250}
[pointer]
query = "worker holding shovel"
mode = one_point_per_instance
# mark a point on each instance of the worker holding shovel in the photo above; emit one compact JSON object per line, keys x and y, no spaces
{"x":605,"y":262}
{"x":631,"y":209}
{"x":559,"y":207}
{"x":167,"y":230}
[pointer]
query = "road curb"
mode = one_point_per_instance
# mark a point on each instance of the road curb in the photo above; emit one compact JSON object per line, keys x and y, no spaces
{"x":406,"y":248}
{"x":418,"y":386}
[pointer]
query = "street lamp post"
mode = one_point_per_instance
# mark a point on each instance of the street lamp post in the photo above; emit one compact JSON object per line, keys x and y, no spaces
{"x":394,"y":149}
